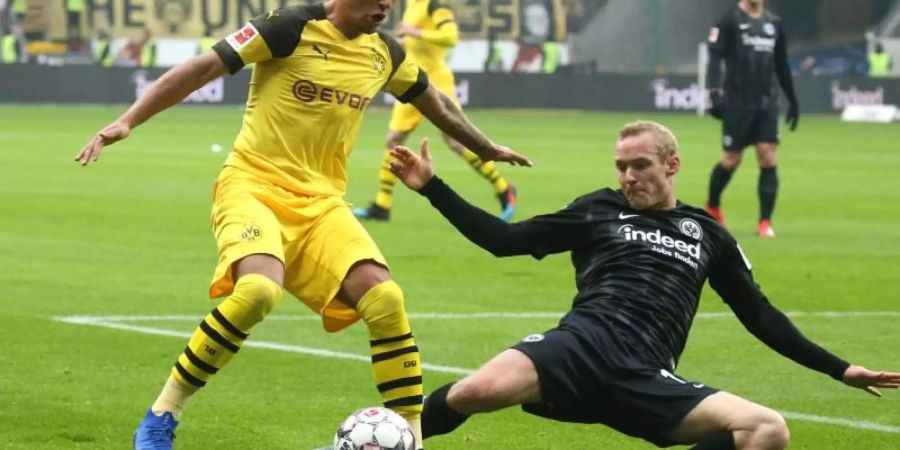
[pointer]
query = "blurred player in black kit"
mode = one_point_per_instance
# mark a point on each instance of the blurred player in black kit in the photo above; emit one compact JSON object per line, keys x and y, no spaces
{"x":750,"y":40}
{"x":641,"y":258}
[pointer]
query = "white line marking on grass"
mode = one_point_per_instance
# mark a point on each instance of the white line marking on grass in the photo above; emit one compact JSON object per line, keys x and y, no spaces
{"x":861,"y":424}
{"x":113,"y":322}
{"x":462,"y":316}
{"x":99,"y":322}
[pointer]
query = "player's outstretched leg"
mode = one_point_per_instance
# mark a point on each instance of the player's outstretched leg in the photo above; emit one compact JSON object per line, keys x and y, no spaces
{"x":438,"y":417}
{"x":725,"y":421}
{"x":215,"y":341}
{"x":508,"y":379}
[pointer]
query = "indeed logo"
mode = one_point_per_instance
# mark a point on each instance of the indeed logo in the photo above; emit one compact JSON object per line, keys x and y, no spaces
{"x":666,"y":97}
{"x":666,"y":242}
{"x":840,"y":98}
{"x":212,"y":92}
{"x":307,"y":91}
{"x":759,"y":43}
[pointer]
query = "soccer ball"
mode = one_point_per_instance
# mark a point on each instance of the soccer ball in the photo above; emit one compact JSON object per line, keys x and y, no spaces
{"x":374,"y":428}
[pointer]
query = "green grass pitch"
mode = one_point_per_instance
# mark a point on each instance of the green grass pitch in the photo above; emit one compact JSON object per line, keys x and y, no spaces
{"x":129,"y":237}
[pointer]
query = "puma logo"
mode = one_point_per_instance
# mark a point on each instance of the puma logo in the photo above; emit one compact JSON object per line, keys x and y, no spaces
{"x":324,"y":51}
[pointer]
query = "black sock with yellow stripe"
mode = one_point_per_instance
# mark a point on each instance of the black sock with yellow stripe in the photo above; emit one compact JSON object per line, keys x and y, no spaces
{"x":395,"y":357}
{"x":217,"y":339}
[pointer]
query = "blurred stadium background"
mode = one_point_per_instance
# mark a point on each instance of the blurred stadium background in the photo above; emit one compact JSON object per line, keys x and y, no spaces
{"x":105,"y":269}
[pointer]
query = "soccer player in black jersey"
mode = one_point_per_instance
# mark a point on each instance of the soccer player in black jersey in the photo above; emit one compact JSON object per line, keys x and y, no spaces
{"x":751,"y":42}
{"x":641,"y":258}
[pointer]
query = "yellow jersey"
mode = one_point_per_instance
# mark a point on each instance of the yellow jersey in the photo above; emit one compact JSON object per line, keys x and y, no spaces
{"x":439,"y":33}
{"x":308,"y":92}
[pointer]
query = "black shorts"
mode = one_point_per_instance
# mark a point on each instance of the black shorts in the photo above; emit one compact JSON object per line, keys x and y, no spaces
{"x":744,"y":126}
{"x":576,"y":386}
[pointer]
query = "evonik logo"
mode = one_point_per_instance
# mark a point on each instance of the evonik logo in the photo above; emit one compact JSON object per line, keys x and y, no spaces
{"x":656,"y":237}
{"x":307,"y":91}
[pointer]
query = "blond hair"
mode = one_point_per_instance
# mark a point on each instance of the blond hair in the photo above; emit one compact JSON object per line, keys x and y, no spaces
{"x":663,"y":138}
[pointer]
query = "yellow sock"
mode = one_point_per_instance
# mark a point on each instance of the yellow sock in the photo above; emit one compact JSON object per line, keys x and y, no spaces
{"x":396,"y":364}
{"x":385,"y":196}
{"x":488,"y":171}
{"x":217,"y":339}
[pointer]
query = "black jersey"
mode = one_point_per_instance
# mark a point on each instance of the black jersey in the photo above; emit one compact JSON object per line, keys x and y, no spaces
{"x":754,"y":51}
{"x":639,"y":274}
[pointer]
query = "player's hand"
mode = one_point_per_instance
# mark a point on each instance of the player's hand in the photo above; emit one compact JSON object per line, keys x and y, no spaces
{"x":869,"y":381}
{"x":110,"y":134}
{"x":413,"y":170}
{"x":405,"y":29}
{"x":503,"y":153}
{"x":717,"y":104}
{"x":793,"y":115}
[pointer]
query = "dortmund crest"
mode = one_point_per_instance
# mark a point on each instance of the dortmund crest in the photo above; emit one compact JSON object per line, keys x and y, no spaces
{"x":379,"y":64}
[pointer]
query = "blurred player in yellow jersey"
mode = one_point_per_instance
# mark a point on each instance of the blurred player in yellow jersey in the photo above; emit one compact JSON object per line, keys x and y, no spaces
{"x":278,"y":212}
{"x":429,"y":30}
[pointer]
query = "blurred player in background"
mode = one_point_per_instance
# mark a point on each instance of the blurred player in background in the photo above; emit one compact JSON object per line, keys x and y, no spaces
{"x":641,"y":258}
{"x":278,"y":213}
{"x":751,"y":42}
{"x":429,"y":30}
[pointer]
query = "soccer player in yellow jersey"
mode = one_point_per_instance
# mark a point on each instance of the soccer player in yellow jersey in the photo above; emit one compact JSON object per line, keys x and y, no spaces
{"x":429,"y":30}
{"x":278,"y":212}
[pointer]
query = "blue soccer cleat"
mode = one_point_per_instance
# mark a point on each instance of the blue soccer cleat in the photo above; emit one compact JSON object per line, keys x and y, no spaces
{"x":155,"y":432}
{"x":373,"y":212}
{"x":507,"y":203}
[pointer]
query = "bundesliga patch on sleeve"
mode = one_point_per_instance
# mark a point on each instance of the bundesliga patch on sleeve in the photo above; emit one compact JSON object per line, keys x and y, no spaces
{"x":240,"y":38}
{"x":713,"y":35}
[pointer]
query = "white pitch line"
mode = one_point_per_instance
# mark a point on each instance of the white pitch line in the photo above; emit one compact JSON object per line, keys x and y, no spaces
{"x":460,"y":316}
{"x":103,"y":322}
{"x":84,"y":320}
{"x":861,"y":424}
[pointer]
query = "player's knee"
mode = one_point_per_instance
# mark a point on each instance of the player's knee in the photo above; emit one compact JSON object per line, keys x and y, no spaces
{"x":383,"y":305}
{"x":731,"y":160}
{"x":473,"y":394}
{"x":258,"y":295}
{"x":772,"y":432}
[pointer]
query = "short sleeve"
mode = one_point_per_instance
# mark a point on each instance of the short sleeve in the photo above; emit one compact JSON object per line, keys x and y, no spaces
{"x":440,"y":13}
{"x":406,"y":80}
{"x":274,"y":34}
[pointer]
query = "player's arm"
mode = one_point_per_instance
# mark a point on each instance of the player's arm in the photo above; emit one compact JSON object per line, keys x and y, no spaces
{"x":170,"y":89}
{"x":274,"y":34}
{"x":443,"y":112}
{"x":445,"y":32}
{"x":538,"y":236}
{"x":785,"y":79}
{"x":732,"y":279}
{"x":719,"y":43}
{"x":408,"y":83}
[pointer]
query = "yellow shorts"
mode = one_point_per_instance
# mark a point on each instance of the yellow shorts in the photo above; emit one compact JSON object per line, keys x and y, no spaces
{"x":405,"y":116}
{"x":317,"y":239}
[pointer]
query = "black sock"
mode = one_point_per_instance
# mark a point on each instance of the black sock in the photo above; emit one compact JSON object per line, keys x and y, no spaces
{"x":723,"y":440}
{"x":717,"y":181}
{"x":438,"y":417}
{"x":768,"y":191}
